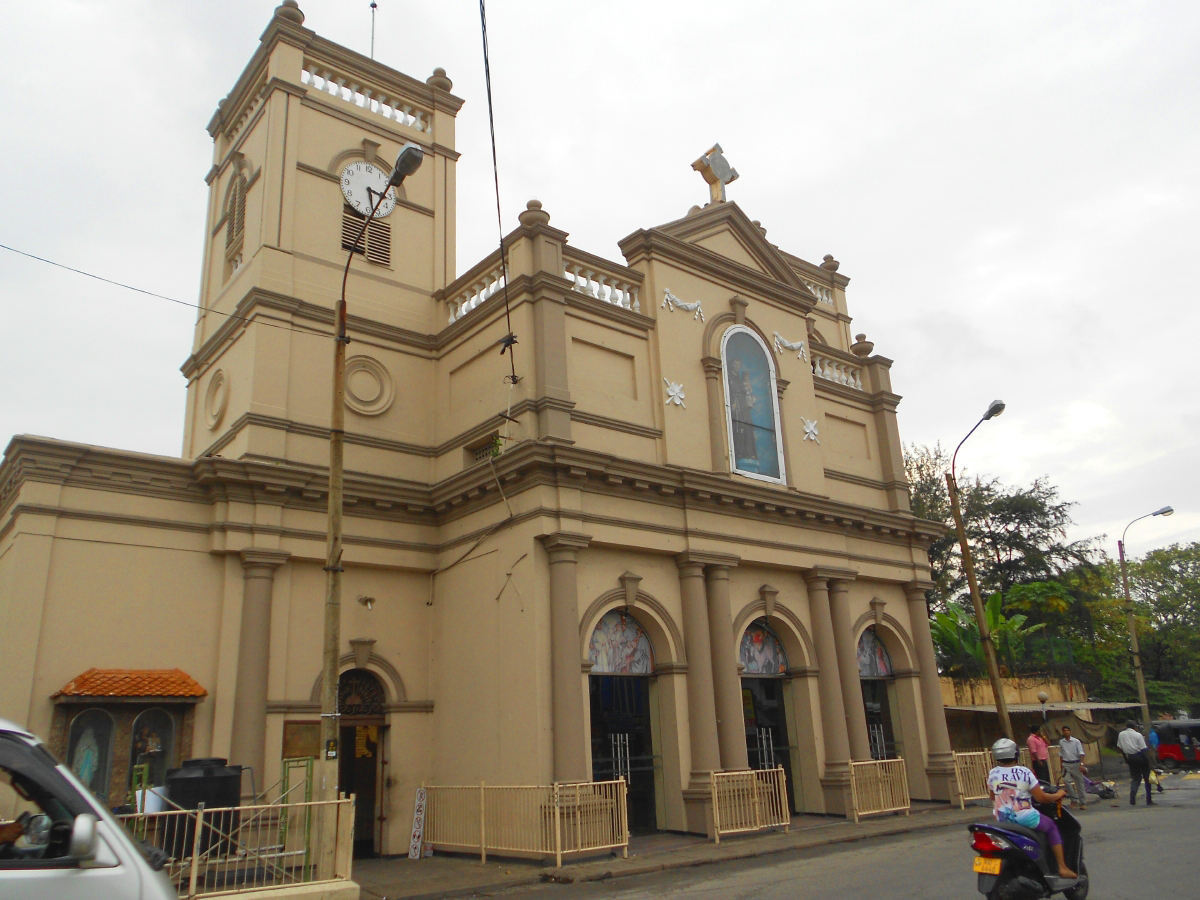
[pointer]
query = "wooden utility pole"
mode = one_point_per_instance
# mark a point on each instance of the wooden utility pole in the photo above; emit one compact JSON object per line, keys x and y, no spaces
{"x":985,"y":636}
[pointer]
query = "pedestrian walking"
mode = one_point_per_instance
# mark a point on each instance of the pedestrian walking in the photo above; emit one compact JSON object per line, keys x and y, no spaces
{"x":1070,"y":750}
{"x":1039,"y":754}
{"x":1131,"y":743}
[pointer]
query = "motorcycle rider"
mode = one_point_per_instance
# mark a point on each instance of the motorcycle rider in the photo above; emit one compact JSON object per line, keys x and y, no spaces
{"x":1014,"y":789}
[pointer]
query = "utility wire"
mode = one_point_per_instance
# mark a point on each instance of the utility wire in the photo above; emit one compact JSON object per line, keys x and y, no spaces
{"x":508,"y":342}
{"x":130,"y":287}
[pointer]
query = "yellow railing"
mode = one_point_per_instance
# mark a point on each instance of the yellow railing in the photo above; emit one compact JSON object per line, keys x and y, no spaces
{"x":749,"y":800}
{"x":971,"y":770}
{"x":220,"y":851}
{"x":1055,"y":762}
{"x":528,"y":820}
{"x":879,"y":786}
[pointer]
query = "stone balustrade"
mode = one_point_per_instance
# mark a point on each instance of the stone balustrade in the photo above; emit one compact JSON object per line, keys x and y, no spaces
{"x":472,"y":291}
{"x":607,"y":287}
{"x":822,"y":293}
{"x":324,"y":78}
{"x":836,"y":370}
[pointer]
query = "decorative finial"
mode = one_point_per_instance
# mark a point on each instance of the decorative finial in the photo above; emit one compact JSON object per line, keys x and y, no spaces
{"x":830,"y":263}
{"x":759,"y":225}
{"x":439,"y":80}
{"x":861,"y":346}
{"x":290,"y":10}
{"x":716,"y":171}
{"x":534,"y":214}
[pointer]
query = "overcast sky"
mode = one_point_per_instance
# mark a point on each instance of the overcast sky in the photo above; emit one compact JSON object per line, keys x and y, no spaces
{"x":1012,"y":189}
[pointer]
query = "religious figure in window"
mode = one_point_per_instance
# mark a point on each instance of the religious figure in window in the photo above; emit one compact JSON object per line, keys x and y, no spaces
{"x":750,"y":390}
{"x":873,"y":659}
{"x":620,"y":646}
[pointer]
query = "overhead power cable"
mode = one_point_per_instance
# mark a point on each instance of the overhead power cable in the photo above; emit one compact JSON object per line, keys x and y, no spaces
{"x":508,"y":342}
{"x":130,"y":287}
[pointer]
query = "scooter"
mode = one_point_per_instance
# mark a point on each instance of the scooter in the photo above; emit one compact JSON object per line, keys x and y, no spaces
{"x":1016,"y":863}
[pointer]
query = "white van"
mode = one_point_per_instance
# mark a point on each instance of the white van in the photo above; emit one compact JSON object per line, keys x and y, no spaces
{"x":57,"y":841}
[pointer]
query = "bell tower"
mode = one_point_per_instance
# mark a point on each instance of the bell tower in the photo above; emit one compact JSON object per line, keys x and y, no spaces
{"x":278,"y":233}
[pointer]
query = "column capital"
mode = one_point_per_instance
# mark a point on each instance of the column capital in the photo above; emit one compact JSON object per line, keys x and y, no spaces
{"x":712,"y":366}
{"x":568,"y":541}
{"x":261,"y":558}
{"x":828,"y":574}
{"x":706,"y":558}
{"x":915,"y":590}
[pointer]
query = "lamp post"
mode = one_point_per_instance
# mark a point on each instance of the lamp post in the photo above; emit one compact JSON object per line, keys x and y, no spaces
{"x":407,"y":162}
{"x":995,"y":408}
{"x":1042,"y":698}
{"x":1133,"y":641}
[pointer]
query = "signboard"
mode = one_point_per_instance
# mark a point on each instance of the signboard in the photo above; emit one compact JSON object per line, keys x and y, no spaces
{"x":331,"y":749}
{"x":418,"y":829}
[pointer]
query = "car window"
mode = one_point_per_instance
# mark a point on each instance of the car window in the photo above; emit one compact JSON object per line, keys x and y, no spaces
{"x":35,"y":825}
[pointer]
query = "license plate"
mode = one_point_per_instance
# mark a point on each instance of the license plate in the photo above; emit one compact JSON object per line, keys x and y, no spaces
{"x":986,"y":866}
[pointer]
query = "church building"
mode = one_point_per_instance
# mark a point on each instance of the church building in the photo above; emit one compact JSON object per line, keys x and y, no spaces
{"x":680,"y":543}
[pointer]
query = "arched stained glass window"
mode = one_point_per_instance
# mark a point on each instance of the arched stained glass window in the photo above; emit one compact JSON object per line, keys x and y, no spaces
{"x":89,"y":750}
{"x":620,"y":646}
{"x":751,"y":406}
{"x":873,"y":659}
{"x":760,"y":652}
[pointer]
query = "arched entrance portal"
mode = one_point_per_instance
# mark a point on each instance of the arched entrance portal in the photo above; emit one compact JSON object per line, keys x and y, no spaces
{"x":361,"y":701}
{"x":622,"y":736}
{"x":764,"y":669}
{"x":879,"y":694}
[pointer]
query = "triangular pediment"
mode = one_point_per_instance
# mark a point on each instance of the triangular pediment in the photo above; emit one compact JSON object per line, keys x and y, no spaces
{"x":724,"y":229}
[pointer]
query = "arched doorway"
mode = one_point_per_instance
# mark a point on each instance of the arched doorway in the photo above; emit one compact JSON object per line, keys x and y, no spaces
{"x":622,"y":660}
{"x":764,"y":707}
{"x":879,"y":693}
{"x":361,"y":702}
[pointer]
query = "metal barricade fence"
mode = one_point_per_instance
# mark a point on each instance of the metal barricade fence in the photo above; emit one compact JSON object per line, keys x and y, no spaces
{"x":749,"y":800}
{"x":528,"y":820}
{"x":215,"y":851}
{"x":879,"y":786}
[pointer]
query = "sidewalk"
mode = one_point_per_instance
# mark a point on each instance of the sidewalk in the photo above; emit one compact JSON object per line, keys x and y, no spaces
{"x":446,"y":875}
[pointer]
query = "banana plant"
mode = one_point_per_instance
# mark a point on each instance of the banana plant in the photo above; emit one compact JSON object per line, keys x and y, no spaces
{"x":956,"y":633}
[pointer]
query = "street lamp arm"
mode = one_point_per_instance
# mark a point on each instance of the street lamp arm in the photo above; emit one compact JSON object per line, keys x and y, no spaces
{"x":1138,"y":519}
{"x":954,"y":458}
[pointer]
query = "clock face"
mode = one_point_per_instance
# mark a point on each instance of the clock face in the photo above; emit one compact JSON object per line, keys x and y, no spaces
{"x":362,"y":183}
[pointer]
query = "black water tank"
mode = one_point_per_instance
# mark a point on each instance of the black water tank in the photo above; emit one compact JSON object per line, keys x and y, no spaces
{"x":208,"y":780}
{"x":211,"y":782}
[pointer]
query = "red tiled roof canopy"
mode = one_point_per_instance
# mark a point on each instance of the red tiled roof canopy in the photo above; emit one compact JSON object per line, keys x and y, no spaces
{"x":133,"y":683}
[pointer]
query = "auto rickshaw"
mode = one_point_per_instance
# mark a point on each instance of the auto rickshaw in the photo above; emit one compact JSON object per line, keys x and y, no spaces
{"x":1178,"y":742}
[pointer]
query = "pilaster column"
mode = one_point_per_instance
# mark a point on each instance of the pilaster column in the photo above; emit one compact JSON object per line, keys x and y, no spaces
{"x":566,"y":684}
{"x":716,"y":413}
{"x":829,"y":688}
{"x":847,"y":657}
{"x":727,"y":687}
{"x":702,"y":714}
{"x":248,"y":742}
{"x":940,"y":762}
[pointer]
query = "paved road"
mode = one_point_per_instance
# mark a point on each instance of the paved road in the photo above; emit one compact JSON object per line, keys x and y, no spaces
{"x":1133,"y":853}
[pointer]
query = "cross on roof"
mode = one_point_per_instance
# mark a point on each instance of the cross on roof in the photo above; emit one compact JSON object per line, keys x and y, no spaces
{"x":716,"y":171}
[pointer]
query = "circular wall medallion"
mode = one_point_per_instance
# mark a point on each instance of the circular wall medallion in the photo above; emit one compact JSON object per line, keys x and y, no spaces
{"x":216,"y":398}
{"x":369,"y":390}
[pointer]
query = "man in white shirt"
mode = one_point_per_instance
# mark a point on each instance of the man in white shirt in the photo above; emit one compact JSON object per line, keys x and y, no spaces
{"x":1071,"y":755}
{"x":1133,"y":745}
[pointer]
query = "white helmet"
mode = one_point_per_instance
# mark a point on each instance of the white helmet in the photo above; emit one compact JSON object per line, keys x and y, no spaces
{"x":1004,"y":750}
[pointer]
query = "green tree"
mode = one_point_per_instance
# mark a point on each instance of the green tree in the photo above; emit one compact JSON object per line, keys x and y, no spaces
{"x":956,"y":636}
{"x":1017,"y":535}
{"x":1165,"y":584}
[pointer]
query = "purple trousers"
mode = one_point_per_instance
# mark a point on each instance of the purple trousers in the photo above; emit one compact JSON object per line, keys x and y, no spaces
{"x":1047,"y":827}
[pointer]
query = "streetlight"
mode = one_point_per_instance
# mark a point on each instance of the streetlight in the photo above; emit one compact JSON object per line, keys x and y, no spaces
{"x":408,"y":161}
{"x":1042,"y":698}
{"x":995,"y":408}
{"x":1133,"y":641}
